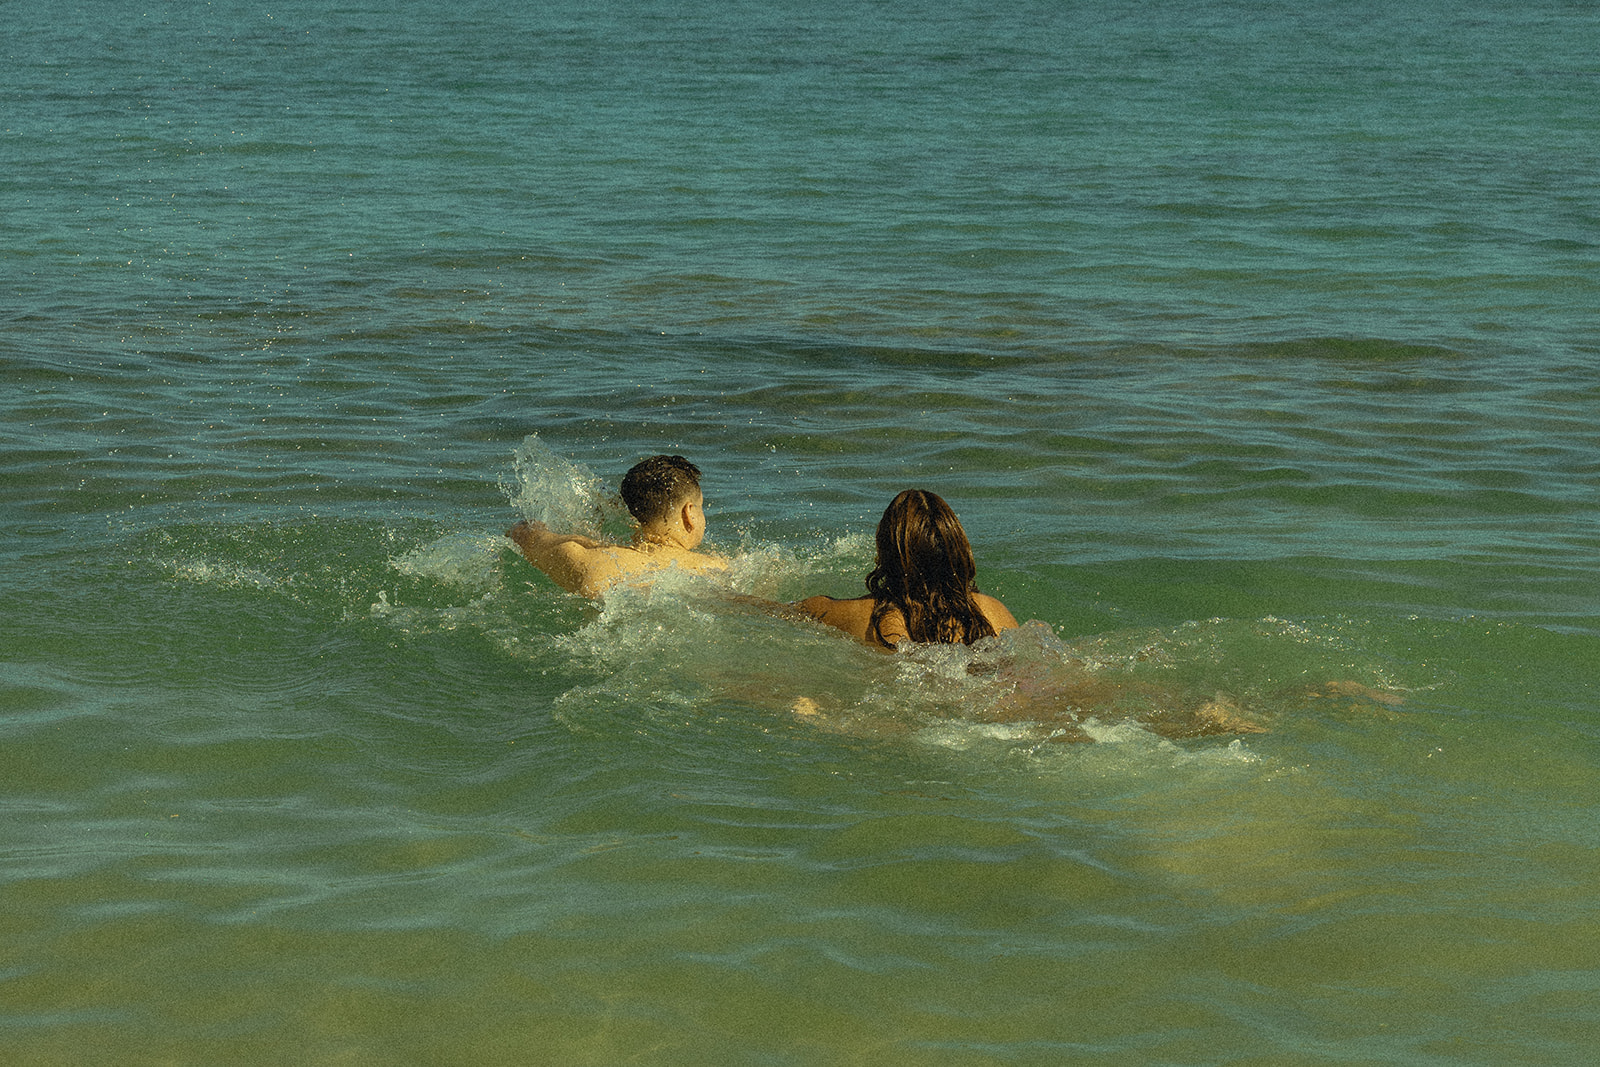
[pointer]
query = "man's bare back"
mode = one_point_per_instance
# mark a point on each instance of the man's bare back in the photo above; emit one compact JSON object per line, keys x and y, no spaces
{"x":582,"y":565}
{"x":663,"y":494}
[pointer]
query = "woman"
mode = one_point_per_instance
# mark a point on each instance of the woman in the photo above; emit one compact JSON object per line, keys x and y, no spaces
{"x":921,"y":587}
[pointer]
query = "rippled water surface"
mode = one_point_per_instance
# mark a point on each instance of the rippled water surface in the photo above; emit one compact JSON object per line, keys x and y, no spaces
{"x":1255,"y":346}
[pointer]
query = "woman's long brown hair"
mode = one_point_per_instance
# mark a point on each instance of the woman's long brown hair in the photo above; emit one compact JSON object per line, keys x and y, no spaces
{"x":925,"y":569}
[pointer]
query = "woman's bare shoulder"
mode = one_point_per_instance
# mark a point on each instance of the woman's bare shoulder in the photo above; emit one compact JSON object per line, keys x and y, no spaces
{"x":854,"y":617}
{"x":998,"y":614}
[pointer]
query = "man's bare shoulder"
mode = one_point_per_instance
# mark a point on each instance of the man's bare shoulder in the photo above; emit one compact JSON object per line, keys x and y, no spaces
{"x":576,"y":563}
{"x":537,"y":537}
{"x":610,"y":564}
{"x":700,"y":562}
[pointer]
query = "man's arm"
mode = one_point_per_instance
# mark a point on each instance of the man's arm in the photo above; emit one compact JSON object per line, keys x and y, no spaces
{"x":576,"y":563}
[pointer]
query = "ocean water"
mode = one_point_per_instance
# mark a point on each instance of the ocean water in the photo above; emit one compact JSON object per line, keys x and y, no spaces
{"x":1255,"y":344}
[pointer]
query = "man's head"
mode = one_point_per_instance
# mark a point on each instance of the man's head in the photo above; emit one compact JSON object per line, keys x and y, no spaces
{"x":656,"y":487}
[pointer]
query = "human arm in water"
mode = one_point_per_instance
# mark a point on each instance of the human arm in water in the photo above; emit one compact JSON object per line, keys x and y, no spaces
{"x":854,"y":617}
{"x":583,"y":565}
{"x":576,"y":563}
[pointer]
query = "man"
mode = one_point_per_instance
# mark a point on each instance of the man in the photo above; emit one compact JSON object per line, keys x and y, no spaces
{"x":663,"y":494}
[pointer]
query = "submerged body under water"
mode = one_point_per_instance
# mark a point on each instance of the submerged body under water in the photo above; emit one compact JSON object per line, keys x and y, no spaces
{"x":372,"y":790}
{"x":1027,"y":677}
{"x":1254,"y":344}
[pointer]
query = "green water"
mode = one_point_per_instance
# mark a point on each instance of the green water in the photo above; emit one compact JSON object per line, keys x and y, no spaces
{"x":373,"y":795}
{"x":1254,"y":345}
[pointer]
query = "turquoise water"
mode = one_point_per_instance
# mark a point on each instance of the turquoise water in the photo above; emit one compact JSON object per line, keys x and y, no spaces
{"x":1255,"y":345}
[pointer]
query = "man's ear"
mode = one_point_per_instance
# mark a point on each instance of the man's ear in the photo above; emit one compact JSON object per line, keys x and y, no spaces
{"x":686,"y":515}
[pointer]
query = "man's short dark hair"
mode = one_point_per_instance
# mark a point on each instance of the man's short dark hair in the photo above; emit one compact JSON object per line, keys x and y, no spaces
{"x":653,"y":487}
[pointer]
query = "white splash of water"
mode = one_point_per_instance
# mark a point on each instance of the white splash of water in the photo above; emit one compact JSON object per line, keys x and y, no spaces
{"x":563,"y":495}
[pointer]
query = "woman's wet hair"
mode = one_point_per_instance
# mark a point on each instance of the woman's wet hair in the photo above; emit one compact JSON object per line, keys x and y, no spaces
{"x":926,"y":570}
{"x":654,"y":486}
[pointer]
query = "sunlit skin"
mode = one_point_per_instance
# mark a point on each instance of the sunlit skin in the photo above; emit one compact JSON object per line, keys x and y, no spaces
{"x":922,"y":541}
{"x":854,"y":616}
{"x":921,"y":546}
{"x":583,"y":565}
